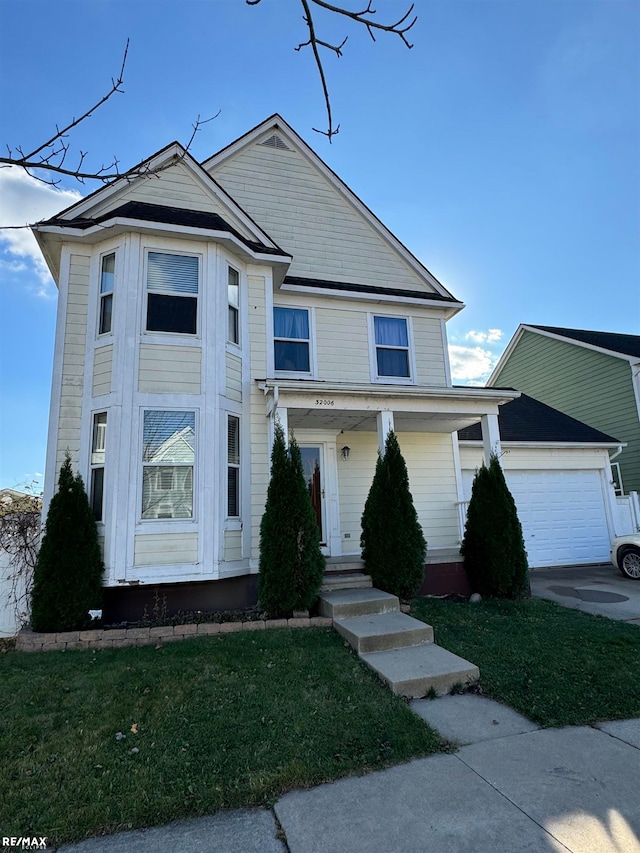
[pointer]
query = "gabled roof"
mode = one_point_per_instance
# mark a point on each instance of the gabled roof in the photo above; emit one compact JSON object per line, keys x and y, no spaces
{"x":276,"y":133}
{"x":623,"y":344}
{"x":100,"y":205}
{"x":525,"y":420}
{"x":626,"y":347}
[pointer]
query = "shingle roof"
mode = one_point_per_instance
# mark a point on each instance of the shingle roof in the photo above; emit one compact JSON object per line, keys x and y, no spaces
{"x":526,"y":419}
{"x":366,"y":288}
{"x":624,"y":344}
{"x":169,"y":216}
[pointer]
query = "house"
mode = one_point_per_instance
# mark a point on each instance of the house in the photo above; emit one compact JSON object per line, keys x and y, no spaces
{"x":558,"y":471}
{"x":198,"y":304}
{"x":591,"y":376}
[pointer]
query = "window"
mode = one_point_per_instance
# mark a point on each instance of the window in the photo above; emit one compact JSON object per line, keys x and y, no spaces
{"x":168,"y":456}
{"x":107,"y":278}
{"x":98,"y":445}
{"x":172,"y":293}
{"x":233,"y":295}
{"x":392,"y":346}
{"x":291,"y":339}
{"x":233,"y":466}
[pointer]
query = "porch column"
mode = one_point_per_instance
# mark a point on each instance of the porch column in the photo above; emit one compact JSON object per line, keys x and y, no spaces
{"x":278,"y":413}
{"x":385,"y":425}
{"x":490,"y":437}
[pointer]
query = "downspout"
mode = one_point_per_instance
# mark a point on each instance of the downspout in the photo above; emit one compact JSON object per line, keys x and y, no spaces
{"x":617,"y":453}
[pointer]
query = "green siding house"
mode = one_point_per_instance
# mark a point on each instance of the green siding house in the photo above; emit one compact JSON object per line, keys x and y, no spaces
{"x":591,"y":376}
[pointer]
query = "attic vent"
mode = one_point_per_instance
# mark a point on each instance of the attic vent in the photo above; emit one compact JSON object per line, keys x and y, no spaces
{"x":276,"y":142}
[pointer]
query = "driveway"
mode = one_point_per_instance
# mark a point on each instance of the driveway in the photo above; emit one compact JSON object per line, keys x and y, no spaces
{"x":599,"y":589}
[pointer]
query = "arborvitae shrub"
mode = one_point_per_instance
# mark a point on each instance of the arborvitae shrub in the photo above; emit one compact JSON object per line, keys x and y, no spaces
{"x":67,"y":579}
{"x":393,"y":545}
{"x":495,"y":558}
{"x":291,"y":562}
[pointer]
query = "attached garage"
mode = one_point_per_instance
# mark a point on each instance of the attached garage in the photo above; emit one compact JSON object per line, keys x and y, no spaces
{"x":559,"y":474}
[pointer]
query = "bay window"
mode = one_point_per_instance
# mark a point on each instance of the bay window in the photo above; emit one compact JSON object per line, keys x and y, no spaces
{"x":107,"y":278}
{"x":233,"y":466}
{"x":168,"y":457}
{"x":172,"y":293}
{"x":233,"y":298}
{"x":98,"y":447}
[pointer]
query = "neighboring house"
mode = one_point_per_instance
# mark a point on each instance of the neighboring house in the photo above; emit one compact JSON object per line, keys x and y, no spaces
{"x":592,"y":376}
{"x":558,"y":472}
{"x":199,"y":304}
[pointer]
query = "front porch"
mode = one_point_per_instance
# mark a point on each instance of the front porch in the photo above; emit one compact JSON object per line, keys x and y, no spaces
{"x":340,"y":430}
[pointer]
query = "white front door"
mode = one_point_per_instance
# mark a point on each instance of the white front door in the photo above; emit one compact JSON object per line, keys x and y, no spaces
{"x":318,"y":451}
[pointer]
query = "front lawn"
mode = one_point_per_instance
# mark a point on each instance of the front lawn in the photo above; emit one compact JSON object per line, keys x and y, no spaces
{"x":557,"y":666}
{"x":94,"y":742}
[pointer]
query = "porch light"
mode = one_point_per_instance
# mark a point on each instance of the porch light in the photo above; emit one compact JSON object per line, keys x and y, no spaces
{"x":345,"y":452}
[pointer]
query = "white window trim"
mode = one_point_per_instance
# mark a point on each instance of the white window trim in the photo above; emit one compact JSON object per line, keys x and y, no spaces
{"x":234,"y":346}
{"x":312,"y":373}
{"x":180,"y":337}
{"x":171,"y":523}
{"x":94,"y":465}
{"x":232,"y":520}
{"x":373,"y":357}
{"x":106,"y":336}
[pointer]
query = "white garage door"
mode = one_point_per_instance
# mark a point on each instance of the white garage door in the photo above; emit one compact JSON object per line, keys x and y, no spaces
{"x":562,"y":515}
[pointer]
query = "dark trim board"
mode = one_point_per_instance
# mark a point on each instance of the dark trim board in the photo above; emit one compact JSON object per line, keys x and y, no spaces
{"x":129,"y":603}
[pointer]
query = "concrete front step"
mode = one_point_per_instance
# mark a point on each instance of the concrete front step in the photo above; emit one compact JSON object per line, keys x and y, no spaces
{"x":413,"y":671}
{"x":380,"y":631}
{"x":344,"y":603}
{"x":343,"y":564}
{"x":347,"y":581}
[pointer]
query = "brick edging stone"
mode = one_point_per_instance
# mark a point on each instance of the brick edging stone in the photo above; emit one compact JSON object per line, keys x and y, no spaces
{"x":114,"y":638}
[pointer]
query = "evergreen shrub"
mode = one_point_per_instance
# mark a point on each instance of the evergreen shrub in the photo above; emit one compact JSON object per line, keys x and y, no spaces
{"x":67,"y":580}
{"x":393,"y":545}
{"x":495,"y":558}
{"x":291,"y":562}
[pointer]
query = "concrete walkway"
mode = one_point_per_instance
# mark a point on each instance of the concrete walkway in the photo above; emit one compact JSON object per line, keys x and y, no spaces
{"x":510,"y":787}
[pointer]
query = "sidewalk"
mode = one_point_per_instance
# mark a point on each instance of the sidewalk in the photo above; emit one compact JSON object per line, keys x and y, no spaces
{"x":510,"y":787}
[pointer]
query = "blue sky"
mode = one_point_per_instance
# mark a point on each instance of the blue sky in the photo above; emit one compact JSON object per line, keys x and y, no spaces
{"x":502,"y":150}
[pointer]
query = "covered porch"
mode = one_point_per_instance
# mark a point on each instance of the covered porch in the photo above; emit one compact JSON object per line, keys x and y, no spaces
{"x":340,"y":430}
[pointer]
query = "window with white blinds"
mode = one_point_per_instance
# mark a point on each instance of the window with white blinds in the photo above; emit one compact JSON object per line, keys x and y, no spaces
{"x":233,"y":466}
{"x":98,"y":448}
{"x":172,"y":292}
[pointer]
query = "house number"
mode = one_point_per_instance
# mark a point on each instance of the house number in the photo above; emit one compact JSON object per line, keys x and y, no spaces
{"x":325,"y":402}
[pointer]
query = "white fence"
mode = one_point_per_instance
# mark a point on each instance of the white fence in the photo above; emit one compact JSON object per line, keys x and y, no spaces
{"x":628,"y":508}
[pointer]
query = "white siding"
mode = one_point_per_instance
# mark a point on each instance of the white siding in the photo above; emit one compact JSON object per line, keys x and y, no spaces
{"x":169,"y":369}
{"x":73,"y":360}
{"x":429,"y":459}
{"x":102,"y":366}
{"x":232,"y":545}
{"x":259,"y":434}
{"x":537,"y":458}
{"x":342,"y":344}
{"x":234,"y":377}
{"x":156,"y":549}
{"x":427,"y":341}
{"x":309,"y":217}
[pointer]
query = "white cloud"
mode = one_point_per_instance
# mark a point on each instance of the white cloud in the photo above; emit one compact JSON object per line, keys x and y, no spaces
{"x":491,"y":336}
{"x":471,"y":365}
{"x":25,"y":200}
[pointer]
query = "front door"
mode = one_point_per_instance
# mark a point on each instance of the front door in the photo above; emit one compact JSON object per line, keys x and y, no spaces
{"x":312,"y":465}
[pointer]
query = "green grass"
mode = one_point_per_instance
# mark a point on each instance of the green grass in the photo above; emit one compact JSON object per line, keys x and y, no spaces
{"x":557,"y":666}
{"x":222,"y":722}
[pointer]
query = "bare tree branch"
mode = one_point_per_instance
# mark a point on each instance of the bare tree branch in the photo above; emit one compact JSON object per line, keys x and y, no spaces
{"x":400,"y":28}
{"x":49,"y":158}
